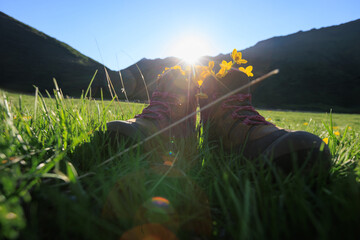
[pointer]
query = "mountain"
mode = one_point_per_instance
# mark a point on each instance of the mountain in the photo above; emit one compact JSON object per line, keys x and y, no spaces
{"x":318,"y":68}
{"x":30,"y":57}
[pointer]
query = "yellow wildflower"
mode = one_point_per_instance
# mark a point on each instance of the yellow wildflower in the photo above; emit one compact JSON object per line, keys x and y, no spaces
{"x":165,"y":70}
{"x":206,"y":71}
{"x":326,"y":140}
{"x":209,"y":69}
{"x":237,"y":57}
{"x":247,"y":71}
{"x":335,"y":127}
{"x":211,"y":65}
{"x":177,"y":67}
{"x":202,"y":72}
{"x":199,"y":74}
{"x":226,"y":65}
{"x":337,"y":133}
{"x":305,"y":123}
{"x":221,"y":73}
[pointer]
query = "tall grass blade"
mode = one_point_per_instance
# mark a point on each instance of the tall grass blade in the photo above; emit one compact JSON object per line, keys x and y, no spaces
{"x":146,"y":88}
{"x":111,"y":88}
{"x":36,"y":102}
{"x":89,"y":87}
{"x":58,"y":93}
{"x":122,"y":82}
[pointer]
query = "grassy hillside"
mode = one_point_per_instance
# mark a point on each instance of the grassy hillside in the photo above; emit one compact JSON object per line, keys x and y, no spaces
{"x":59,"y":179}
{"x":30,"y":57}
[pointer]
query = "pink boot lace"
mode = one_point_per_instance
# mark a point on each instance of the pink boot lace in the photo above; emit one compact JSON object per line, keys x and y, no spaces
{"x":162,"y":99}
{"x":248,"y":119}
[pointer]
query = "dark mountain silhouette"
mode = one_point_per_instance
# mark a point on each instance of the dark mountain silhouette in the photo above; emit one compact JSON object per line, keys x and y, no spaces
{"x":30,"y":57}
{"x":318,"y":68}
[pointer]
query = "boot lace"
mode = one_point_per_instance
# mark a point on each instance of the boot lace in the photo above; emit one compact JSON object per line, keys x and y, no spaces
{"x":162,"y":99}
{"x":250,"y":116}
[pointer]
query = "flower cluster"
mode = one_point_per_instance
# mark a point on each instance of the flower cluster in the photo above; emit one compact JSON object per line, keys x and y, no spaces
{"x":174,"y":67}
{"x":237,"y":59}
{"x":200,"y":73}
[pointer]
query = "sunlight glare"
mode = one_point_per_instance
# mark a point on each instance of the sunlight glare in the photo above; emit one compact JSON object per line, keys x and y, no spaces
{"x":190,"y":49}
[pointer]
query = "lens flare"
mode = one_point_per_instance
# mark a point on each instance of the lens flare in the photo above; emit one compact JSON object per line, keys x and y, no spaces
{"x":160,"y":201}
{"x":157,"y":210}
{"x":158,"y":205}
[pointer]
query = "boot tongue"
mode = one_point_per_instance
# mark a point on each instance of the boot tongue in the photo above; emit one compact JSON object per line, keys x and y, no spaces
{"x":234,"y":80}
{"x":240,"y":105}
{"x":172,"y":82}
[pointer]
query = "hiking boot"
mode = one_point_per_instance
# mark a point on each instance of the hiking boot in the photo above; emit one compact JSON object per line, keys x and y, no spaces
{"x":239,"y":127}
{"x":173,"y":99}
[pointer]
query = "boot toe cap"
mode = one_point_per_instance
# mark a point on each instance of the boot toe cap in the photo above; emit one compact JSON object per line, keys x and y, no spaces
{"x":123,"y":130}
{"x":299,"y":149}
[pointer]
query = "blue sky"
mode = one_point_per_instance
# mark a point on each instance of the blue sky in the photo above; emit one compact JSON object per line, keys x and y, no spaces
{"x":119,"y":33}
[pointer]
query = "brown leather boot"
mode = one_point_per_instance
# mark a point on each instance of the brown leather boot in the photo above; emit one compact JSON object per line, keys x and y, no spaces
{"x":173,"y":99}
{"x":239,"y":127}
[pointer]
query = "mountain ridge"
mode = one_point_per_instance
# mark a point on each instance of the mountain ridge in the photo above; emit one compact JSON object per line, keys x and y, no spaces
{"x":318,"y":67}
{"x":30,"y":57}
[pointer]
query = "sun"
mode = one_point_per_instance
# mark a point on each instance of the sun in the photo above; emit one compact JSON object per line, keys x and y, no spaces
{"x":190,"y":48}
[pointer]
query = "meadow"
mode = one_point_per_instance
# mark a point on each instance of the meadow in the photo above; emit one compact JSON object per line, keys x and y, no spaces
{"x":59,"y":179}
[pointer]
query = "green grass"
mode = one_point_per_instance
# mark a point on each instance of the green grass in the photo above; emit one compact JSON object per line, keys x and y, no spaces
{"x":53,"y":184}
